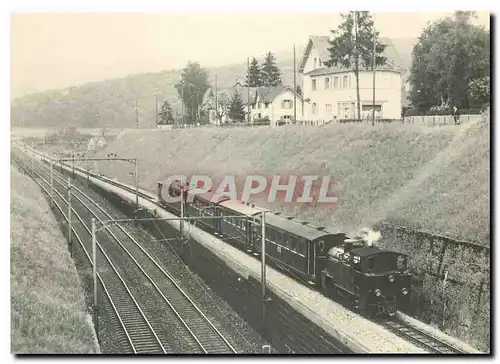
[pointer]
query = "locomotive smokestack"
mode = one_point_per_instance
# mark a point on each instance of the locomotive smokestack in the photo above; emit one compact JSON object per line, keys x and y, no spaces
{"x":370,"y":236}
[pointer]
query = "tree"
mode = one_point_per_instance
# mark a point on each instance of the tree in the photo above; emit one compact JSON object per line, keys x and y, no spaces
{"x":479,"y":92}
{"x":352,"y":46}
{"x":191,"y":89}
{"x":298,"y":90}
{"x":166,"y":116}
{"x":451,"y":55}
{"x":270,"y":73}
{"x":253,"y":78}
{"x":236,"y":110}
{"x":222,"y":107}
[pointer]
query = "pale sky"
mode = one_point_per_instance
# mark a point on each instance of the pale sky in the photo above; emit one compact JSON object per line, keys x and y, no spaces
{"x":54,"y":50}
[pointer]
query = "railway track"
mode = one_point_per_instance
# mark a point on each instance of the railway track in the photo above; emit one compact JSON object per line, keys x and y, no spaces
{"x":195,"y":331}
{"x":421,"y":338}
{"x":123,"y":335}
{"x":196,"y":326}
{"x":137,"y":328}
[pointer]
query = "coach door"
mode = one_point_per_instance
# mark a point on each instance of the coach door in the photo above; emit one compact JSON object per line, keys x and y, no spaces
{"x":255,"y":234}
{"x":311,"y":258}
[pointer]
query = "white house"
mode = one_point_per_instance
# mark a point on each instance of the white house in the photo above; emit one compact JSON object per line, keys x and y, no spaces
{"x":275,"y":103}
{"x":330,"y":92}
{"x":97,"y":143}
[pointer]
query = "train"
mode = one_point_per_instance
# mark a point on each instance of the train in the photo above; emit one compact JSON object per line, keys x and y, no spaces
{"x":374,"y":281}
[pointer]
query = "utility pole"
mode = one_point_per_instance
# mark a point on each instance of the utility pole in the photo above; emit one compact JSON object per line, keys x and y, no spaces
{"x":248,"y":88}
{"x":263,"y":267}
{"x":182,"y":102}
{"x":94,"y":278}
{"x":373,"y":68}
{"x":69,"y":216}
{"x":51,"y":185}
{"x":136,"y":184}
{"x":137,"y":111}
{"x":294,"y":87}
{"x":216,"y":104}
{"x":32,"y":154}
{"x":181,"y":225}
{"x":156,"y":109}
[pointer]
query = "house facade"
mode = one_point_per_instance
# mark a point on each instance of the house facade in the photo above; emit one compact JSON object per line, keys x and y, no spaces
{"x":97,"y":143}
{"x":330,"y":92}
{"x":274,"y":103}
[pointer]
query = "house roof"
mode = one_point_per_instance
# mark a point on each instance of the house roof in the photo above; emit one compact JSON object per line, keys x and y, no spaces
{"x":268,"y":94}
{"x":334,"y":69}
{"x":322,"y":43}
{"x":264,"y":93}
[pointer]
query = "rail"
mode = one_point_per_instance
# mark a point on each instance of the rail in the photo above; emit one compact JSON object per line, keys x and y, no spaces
{"x":421,"y":338}
{"x":196,"y":324}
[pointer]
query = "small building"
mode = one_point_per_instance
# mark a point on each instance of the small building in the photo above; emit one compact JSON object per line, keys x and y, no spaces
{"x":97,"y":143}
{"x":331,"y":90}
{"x":275,"y":103}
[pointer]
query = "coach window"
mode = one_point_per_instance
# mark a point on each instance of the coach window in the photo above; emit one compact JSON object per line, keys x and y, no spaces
{"x":272,"y":235}
{"x":370,"y":264}
{"x":303,"y":246}
{"x":321,"y":245}
{"x":279,"y":237}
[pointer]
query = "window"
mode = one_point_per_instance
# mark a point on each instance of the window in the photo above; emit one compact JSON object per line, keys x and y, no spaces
{"x":367,"y":111}
{"x":303,"y":246}
{"x":401,"y":262}
{"x":328,"y":108}
{"x":314,"y":85}
{"x":336,"y":82}
{"x":327,"y":83}
{"x":314,"y":63}
{"x":259,"y":105}
{"x":287,"y":117}
{"x":314,"y":108}
{"x":266,"y":105}
{"x":345,"y":82}
{"x":370,"y":264}
{"x":286,"y":104}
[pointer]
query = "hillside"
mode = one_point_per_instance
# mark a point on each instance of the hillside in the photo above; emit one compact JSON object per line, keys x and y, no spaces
{"x":111,"y":103}
{"x":434,"y":179}
{"x":48,"y":312}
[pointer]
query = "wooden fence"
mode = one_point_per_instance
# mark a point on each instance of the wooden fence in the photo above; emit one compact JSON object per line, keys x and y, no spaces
{"x":436,"y":120}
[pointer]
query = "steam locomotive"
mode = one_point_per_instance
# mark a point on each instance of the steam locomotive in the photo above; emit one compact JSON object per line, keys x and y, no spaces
{"x":374,"y":281}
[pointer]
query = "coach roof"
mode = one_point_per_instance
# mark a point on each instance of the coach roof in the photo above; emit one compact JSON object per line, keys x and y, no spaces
{"x":293,"y":226}
{"x":242,"y":208}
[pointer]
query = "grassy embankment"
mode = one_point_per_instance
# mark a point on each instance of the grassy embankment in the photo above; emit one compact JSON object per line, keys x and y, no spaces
{"x":433,"y":179}
{"x":48,"y":313}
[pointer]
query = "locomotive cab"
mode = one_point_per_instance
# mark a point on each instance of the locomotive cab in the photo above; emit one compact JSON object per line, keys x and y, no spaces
{"x":385,"y":282}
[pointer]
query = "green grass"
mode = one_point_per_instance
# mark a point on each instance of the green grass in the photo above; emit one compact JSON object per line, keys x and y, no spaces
{"x":48,"y":313}
{"x":434,"y":179}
